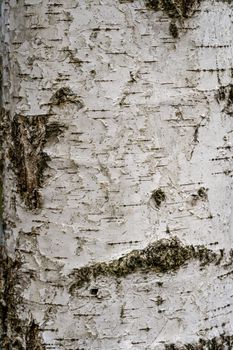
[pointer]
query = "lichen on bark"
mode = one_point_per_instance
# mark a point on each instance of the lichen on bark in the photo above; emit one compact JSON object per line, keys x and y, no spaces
{"x":162,"y":256}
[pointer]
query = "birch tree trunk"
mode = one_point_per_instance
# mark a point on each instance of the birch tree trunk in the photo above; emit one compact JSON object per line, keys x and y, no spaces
{"x":117,"y":175}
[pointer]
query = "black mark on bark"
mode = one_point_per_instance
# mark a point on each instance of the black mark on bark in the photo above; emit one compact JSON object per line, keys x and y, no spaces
{"x":64,"y":95}
{"x":173,"y":29}
{"x":224,"y":95}
{"x":158,"y":197}
{"x":200,"y":195}
{"x":173,"y":8}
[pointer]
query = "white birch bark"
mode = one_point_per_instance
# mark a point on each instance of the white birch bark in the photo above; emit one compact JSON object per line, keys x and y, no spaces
{"x":136,"y":123}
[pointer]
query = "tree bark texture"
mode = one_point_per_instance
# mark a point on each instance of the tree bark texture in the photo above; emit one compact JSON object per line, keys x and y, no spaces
{"x":116,"y":142}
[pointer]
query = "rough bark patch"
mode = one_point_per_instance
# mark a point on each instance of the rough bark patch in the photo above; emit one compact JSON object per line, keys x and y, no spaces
{"x":65,"y":94}
{"x":163,"y":256}
{"x":29,"y":135}
{"x":175,"y":9}
{"x":224,"y":96}
{"x":158,"y":196}
{"x":15,"y":333}
{"x":1,"y":144}
{"x":217,"y":343}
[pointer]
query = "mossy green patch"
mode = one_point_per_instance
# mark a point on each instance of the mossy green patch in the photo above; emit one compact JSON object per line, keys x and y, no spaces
{"x":163,"y":256}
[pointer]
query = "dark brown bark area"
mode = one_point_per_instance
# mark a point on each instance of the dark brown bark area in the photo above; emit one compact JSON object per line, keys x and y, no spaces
{"x":29,"y":135}
{"x":223,"y":342}
{"x":15,"y":333}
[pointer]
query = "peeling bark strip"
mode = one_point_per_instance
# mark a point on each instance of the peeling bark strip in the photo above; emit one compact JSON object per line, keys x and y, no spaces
{"x":162,"y":256}
{"x":217,"y":343}
{"x":29,"y":135}
{"x":15,"y":333}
